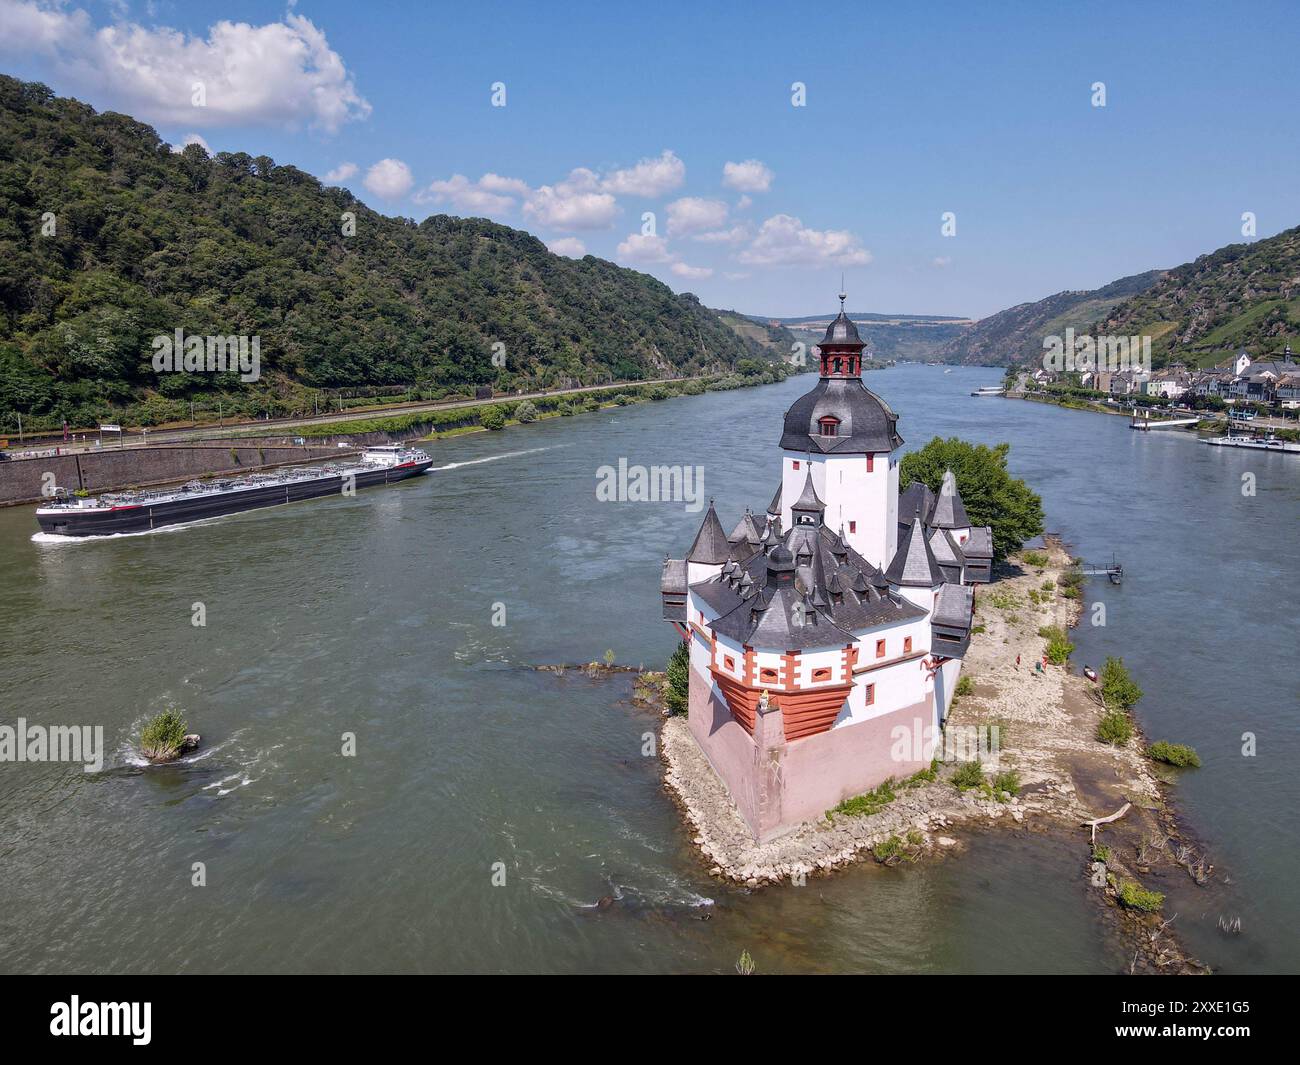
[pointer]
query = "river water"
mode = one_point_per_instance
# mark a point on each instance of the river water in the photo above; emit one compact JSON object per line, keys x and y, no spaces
{"x":374,"y":616}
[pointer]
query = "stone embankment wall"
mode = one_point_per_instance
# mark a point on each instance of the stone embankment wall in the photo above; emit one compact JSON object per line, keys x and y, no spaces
{"x":24,"y":480}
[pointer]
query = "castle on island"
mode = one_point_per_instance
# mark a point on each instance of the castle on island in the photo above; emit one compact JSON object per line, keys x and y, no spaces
{"x":840,"y":616}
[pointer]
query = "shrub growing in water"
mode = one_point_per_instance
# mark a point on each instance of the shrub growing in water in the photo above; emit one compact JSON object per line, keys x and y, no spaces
{"x":1178,"y":754}
{"x":1136,"y":897}
{"x":1117,"y":687}
{"x":162,"y":737}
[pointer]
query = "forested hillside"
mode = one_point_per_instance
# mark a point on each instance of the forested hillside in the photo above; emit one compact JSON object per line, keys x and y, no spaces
{"x":1015,"y":336}
{"x":108,"y":239}
{"x":1241,"y":296}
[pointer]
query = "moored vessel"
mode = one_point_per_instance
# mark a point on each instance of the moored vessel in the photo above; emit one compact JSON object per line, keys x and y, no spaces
{"x":139,"y":511}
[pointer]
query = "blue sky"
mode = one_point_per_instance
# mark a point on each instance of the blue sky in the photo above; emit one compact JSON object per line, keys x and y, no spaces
{"x":612,"y":111}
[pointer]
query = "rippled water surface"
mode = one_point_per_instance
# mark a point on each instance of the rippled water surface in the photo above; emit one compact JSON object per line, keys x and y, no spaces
{"x":373,"y":616}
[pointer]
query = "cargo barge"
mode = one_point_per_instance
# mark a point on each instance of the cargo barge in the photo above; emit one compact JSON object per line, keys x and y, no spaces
{"x":139,"y":511}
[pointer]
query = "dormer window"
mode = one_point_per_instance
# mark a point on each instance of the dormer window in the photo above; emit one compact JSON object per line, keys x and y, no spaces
{"x":828,"y":426}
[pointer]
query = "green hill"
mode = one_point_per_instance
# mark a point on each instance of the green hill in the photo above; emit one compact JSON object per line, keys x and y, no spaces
{"x":147,"y":241}
{"x":1016,"y":334}
{"x":1241,"y":296}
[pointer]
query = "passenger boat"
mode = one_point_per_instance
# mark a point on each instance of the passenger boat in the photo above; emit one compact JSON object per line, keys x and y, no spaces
{"x":139,"y":511}
{"x":989,"y":390}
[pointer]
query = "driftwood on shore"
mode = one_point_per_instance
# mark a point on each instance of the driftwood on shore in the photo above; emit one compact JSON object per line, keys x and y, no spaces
{"x":1107,"y":820}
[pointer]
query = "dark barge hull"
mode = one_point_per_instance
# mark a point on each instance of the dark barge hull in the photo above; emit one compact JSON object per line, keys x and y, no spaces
{"x":143,"y":517}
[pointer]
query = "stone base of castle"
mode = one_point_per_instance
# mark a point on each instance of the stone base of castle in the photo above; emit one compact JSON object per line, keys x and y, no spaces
{"x":778,"y":784}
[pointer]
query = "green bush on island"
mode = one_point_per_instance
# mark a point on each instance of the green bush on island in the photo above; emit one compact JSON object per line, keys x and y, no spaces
{"x":991,"y":495}
{"x":969,"y":775}
{"x":1071,"y":582}
{"x":1059,"y":648}
{"x":872,"y":802}
{"x":1115,"y":728}
{"x":1135,"y":897}
{"x":964,"y":686}
{"x":1100,"y":853}
{"x":923,"y":776}
{"x":163,"y":735}
{"x":1118,"y":689}
{"x":526,"y":412}
{"x":1008,"y":780}
{"x":678,"y":680}
{"x":1175,"y":754}
{"x":1035,"y":558}
{"x":894,"y":850}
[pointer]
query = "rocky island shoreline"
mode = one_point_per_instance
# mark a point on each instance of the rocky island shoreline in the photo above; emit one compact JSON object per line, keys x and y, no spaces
{"x":1063,"y":777}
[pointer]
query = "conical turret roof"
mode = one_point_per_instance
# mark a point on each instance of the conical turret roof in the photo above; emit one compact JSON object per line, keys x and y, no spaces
{"x":710,"y":547}
{"x":949,"y":512}
{"x":913,"y":564}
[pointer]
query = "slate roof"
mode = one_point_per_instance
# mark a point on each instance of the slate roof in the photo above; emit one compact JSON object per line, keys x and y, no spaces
{"x":953,"y":605}
{"x":980,"y":543}
{"x":747,"y":530}
{"x":945,"y":549}
{"x":842,"y":331}
{"x":808,"y":500}
{"x":673,"y":579}
{"x":710,"y":546}
{"x":913,"y":564}
{"x":774,"y":507}
{"x":867,"y":424}
{"x":809,"y":590}
{"x":948,"y":511}
{"x":916,"y":498}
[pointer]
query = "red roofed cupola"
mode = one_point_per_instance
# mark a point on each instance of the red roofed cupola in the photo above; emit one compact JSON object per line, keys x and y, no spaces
{"x":841,"y":347}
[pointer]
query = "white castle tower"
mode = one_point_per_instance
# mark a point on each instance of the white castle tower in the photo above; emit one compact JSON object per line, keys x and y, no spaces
{"x":845,"y":434}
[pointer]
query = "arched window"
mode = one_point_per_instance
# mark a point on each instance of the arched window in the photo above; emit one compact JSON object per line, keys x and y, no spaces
{"x":828,"y":425}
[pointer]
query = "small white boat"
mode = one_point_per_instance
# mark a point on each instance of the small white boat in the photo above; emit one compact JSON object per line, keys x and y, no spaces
{"x":989,"y":390}
{"x":1269,"y":442}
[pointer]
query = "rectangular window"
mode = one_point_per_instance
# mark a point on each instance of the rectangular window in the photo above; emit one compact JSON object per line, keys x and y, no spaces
{"x":871,"y":463}
{"x":796,"y":464}
{"x":880,"y":648}
{"x":871,"y":694}
{"x":907,"y":645}
{"x":853,"y":526}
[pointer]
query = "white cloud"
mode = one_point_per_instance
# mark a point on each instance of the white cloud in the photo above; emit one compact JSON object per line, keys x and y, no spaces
{"x":340,"y":173}
{"x":735,"y":277}
{"x":940,"y":261}
{"x":693,"y":273}
{"x":744,"y":203}
{"x":489,"y":195}
{"x":389,"y":179}
{"x":649,"y":177}
{"x":784,"y":241}
{"x":734,"y":235}
{"x":570,"y":246}
{"x":192,"y":138}
{"x":644,"y":248}
{"x":572,"y":204}
{"x":279,"y":74}
{"x":749,"y":176}
{"x":691,"y":214}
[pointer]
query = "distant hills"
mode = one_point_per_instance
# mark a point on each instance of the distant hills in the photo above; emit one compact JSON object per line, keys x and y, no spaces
{"x":108,"y":239}
{"x":1241,"y":296}
{"x":888,"y":336}
{"x":1016,"y":334}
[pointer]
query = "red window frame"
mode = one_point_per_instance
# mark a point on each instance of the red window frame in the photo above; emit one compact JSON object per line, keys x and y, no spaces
{"x":871,"y":694}
{"x":871,"y":463}
{"x":907,"y":645}
{"x":880,"y":648}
